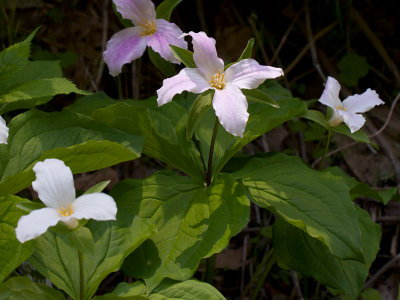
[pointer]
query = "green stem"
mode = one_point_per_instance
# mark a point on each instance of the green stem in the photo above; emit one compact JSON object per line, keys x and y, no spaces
{"x":210,"y":266}
{"x":328,"y":141}
{"x":211,"y":153}
{"x":81,"y":277}
{"x":271,"y":259}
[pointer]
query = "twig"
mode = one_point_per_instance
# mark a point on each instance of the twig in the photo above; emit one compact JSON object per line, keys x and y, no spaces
{"x":103,"y":42}
{"x":259,"y":41}
{"x":244,"y":255}
{"x":92,"y":83}
{"x":382,"y":270}
{"x":200,"y":13}
{"x":296,"y":284}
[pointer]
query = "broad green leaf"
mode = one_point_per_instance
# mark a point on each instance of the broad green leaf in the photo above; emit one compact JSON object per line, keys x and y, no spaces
{"x":352,"y":67}
{"x":317,"y":117}
{"x":358,"y":136}
{"x":199,"y":108}
{"x":315,"y":202}
{"x":81,"y":239}
{"x":310,"y":257}
{"x":83,"y":144}
{"x":185,"y":56}
{"x":98,"y":188}
{"x":167,"y":68}
{"x":55,"y":259}
{"x":247,"y":51}
{"x":20,"y":288}
{"x":164,"y":10}
{"x":193,"y":222}
{"x":257,"y":95}
{"x":186,"y":290}
{"x":12,"y":252}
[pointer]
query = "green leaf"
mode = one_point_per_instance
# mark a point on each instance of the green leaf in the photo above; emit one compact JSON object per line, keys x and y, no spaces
{"x":310,"y":257}
{"x":185,"y":56}
{"x":164,"y":10}
{"x":191,"y":289}
{"x":317,"y":117}
{"x":199,"y":108}
{"x":358,"y":136}
{"x":83,"y":144}
{"x":81,"y":239}
{"x":55,"y":259}
{"x":371,"y":294}
{"x":167,"y":68}
{"x":247,"y":51}
{"x":18,"y":288}
{"x":315,"y":202}
{"x":193,"y":222}
{"x":98,"y":188}
{"x":124,"y":22}
{"x":257,"y":95}
{"x":12,"y":252}
{"x":352,"y":67}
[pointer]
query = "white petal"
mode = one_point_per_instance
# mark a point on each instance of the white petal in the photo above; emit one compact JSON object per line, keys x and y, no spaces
{"x":54,"y":183}
{"x":354,"y":121}
{"x":330,"y":95}
{"x":3,"y":131}
{"x":249,"y":74}
{"x":187,"y":79}
{"x":230,"y":106}
{"x":336,"y":118}
{"x":98,"y":206}
{"x":167,"y":34}
{"x":36,"y":223}
{"x":205,"y":55}
{"x":362,"y":103}
{"x":139,"y":11}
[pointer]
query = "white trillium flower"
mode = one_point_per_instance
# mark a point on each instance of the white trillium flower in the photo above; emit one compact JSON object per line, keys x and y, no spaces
{"x":351,"y":108}
{"x":3,"y":131}
{"x":229,"y":103}
{"x":55,"y":186}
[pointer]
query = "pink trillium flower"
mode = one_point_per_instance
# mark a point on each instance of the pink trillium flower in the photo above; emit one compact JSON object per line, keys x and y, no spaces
{"x":3,"y":131}
{"x":229,"y":103}
{"x":130,"y":43}
{"x":55,"y":186}
{"x":351,"y":108}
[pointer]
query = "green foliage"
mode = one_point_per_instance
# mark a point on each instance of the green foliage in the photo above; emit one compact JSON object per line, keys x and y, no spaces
{"x":317,"y":203}
{"x":199,"y":108}
{"x":248,"y":50}
{"x":311,"y":257}
{"x":352,"y":67}
{"x":257,"y":95}
{"x":317,"y":117}
{"x":167,"y":68}
{"x":18,"y":288}
{"x":81,"y":239}
{"x":185,"y":56}
{"x":358,"y":136}
{"x":55,"y":259}
{"x":164,"y":10}
{"x":192,"y":221}
{"x":12,"y":252}
{"x":98,"y":188}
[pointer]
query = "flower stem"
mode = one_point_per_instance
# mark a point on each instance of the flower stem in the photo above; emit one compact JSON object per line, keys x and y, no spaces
{"x":328,"y":141}
{"x":269,"y":261}
{"x":211,"y":153}
{"x":81,"y":277}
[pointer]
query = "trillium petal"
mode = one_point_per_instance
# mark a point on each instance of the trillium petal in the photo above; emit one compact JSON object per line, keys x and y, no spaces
{"x":54,"y":183}
{"x":205,"y":55}
{"x":249,"y":74}
{"x":3,"y":131}
{"x":139,"y":11}
{"x":362,"y":103}
{"x":353,"y":121}
{"x":36,"y":223}
{"x":330,"y":95}
{"x":167,"y":34}
{"x":97,"y":206}
{"x":123,"y":47}
{"x":230,"y":106}
{"x":188,"y":79}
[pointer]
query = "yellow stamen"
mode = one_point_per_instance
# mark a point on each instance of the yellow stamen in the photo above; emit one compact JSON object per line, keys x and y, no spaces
{"x":217,"y":81}
{"x":149,"y":28}
{"x":66,"y":212}
{"x":340,"y":108}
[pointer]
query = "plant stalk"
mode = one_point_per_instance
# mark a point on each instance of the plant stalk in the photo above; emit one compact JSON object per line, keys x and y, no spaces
{"x":81,"y":277}
{"x":328,"y":141}
{"x":271,"y":257}
{"x":211,"y":153}
{"x":210,"y":266}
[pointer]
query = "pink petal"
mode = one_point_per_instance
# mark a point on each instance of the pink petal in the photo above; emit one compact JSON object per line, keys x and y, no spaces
{"x":205,"y":55}
{"x":362,"y":103}
{"x":249,"y":74}
{"x":3,"y":131}
{"x":230,"y":106}
{"x":330,"y":95}
{"x":123,"y":47}
{"x":97,"y":206}
{"x":54,"y":183}
{"x":188,"y":79}
{"x":36,"y":223}
{"x":167,"y":34}
{"x":353,"y":121}
{"x":139,"y":11}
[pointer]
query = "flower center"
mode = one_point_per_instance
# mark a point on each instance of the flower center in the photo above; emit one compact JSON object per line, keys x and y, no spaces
{"x":340,"y":108}
{"x":217,"y":81}
{"x":66,"y":212}
{"x":149,"y":27}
